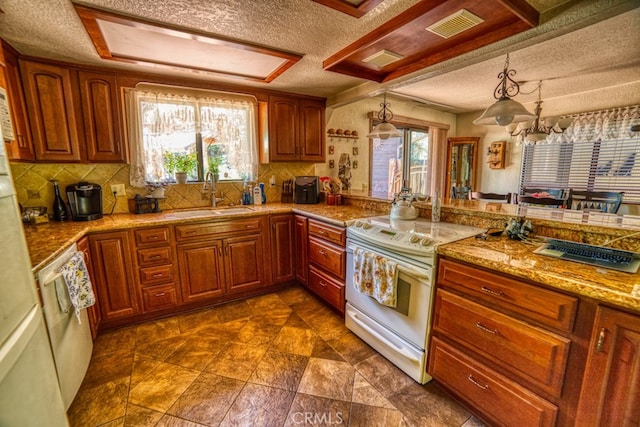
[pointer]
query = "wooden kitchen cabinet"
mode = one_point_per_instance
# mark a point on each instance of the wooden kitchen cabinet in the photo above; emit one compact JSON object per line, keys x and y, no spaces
{"x":282,"y":246}
{"x":21,"y":148}
{"x":52,"y":102}
{"x":512,"y":351}
{"x":296,"y":129}
{"x":244,"y":262}
{"x":101,"y":117}
{"x":111,"y":259}
{"x":611,"y":387}
{"x":301,"y":258}
{"x":201,"y":271}
{"x":94,"y":311}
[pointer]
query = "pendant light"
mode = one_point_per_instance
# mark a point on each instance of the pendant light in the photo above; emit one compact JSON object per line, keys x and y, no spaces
{"x":384,"y":129}
{"x":505,"y":110}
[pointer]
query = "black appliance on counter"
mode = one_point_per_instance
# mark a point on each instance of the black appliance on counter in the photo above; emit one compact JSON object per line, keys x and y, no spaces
{"x":306,"y":189}
{"x":85,"y":201}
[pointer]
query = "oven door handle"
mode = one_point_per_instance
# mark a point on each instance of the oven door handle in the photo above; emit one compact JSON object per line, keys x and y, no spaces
{"x":386,"y":342}
{"x":424,"y":273}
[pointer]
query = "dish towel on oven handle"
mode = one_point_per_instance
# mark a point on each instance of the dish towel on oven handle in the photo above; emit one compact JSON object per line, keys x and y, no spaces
{"x":76,"y":277}
{"x":375,"y":276}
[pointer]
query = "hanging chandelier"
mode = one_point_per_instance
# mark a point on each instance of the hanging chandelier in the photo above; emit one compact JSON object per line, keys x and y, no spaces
{"x":384,"y":129}
{"x":539,"y":129}
{"x":505,"y":110}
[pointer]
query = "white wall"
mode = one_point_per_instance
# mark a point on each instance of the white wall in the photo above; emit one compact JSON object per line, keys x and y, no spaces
{"x":354,"y":117}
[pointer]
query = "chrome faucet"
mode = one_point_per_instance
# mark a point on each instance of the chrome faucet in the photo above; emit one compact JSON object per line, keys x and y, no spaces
{"x":209,"y":188}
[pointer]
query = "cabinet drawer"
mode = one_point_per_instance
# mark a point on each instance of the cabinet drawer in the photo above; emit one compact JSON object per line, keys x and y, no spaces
{"x":531,"y":353}
{"x":327,"y":288}
{"x":154,"y":256}
{"x":327,"y":232}
{"x":329,"y":257}
{"x":498,"y":398}
{"x":548,"y":307}
{"x":151,"y":236}
{"x":159,"y":297}
{"x":199,"y":231}
{"x":159,"y":274}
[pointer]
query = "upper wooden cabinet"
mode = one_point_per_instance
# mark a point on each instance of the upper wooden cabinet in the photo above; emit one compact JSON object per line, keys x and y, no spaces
{"x":296,"y":129}
{"x":51,"y":93}
{"x":101,"y":117}
{"x":21,"y":148}
{"x":611,"y":387}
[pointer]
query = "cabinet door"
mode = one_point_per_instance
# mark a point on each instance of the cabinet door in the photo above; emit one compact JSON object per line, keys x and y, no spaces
{"x":311,"y":131}
{"x":244,"y":263}
{"x":301,"y":258}
{"x":51,"y":100}
{"x":102,"y":131}
{"x":611,"y":387}
{"x":113,"y":278}
{"x":201,"y":271}
{"x":94,"y":311}
{"x":282,"y":248}
{"x":22,"y":147}
{"x":283,"y":129}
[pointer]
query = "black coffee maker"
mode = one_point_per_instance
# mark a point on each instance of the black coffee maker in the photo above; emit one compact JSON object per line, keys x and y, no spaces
{"x":85,"y":201}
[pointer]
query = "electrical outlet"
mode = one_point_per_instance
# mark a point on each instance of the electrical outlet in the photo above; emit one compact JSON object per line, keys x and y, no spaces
{"x":118,"y":189}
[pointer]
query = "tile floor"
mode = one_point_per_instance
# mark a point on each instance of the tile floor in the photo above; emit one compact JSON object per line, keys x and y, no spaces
{"x":282,"y":359}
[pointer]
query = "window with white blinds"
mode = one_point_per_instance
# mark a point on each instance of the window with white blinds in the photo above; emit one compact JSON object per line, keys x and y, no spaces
{"x":596,"y":155}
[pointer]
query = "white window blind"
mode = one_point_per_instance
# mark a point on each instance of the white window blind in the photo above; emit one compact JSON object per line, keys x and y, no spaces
{"x":599,"y":152}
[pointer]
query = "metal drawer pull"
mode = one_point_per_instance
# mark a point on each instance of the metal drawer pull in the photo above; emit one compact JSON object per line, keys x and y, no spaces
{"x":321,"y":283}
{"x":161,"y":294}
{"x":601,"y":338}
{"x":188,"y":233}
{"x":476,"y":383}
{"x":324,"y":233}
{"x":158,"y":275}
{"x":485,"y":329}
{"x":155,"y":257}
{"x":491,"y":291}
{"x":321,"y":252}
{"x":153,"y":237}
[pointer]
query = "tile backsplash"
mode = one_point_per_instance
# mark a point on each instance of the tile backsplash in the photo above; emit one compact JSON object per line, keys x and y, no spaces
{"x":32,"y":181}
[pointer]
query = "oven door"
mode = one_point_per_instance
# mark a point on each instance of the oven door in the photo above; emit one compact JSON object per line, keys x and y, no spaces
{"x":410,"y":318}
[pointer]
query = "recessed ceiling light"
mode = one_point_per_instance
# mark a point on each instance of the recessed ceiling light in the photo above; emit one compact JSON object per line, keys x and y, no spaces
{"x":455,"y":23}
{"x":382,"y":58}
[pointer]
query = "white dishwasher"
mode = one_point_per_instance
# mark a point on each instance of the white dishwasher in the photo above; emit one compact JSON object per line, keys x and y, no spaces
{"x":71,"y":340}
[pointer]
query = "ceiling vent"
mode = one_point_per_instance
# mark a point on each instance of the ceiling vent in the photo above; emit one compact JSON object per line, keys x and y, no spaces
{"x":382,"y":58}
{"x":455,"y":24}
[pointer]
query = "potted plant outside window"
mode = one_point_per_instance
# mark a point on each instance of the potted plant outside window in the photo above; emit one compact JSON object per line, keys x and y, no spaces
{"x":180,"y":164}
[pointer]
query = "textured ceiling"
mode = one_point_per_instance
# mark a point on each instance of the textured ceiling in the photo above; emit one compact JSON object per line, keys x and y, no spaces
{"x":587,"y":50}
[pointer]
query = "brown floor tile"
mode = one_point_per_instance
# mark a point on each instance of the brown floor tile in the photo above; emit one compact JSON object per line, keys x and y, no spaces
{"x":428,"y":404}
{"x":191,"y":322}
{"x":328,"y":378}
{"x":233,"y":311}
{"x":295,"y":321}
{"x":237,"y":360}
{"x":162,"y":386}
{"x":259,"y":405}
{"x":267,"y":302}
{"x":196,"y":353}
{"x":294,"y":295}
{"x":322,"y":350}
{"x":279,"y":370}
{"x":473,"y":422}
{"x":160,"y":349}
{"x":115,"y":423}
{"x":226,"y":331}
{"x":326,"y":324}
{"x":207,"y":399}
{"x":352,"y":348}
{"x":295,"y":341}
{"x":371,"y":416}
{"x":317,"y":411}
{"x":101,"y":404}
{"x":157,"y":330}
{"x":137,"y":416}
{"x":275,"y":317}
{"x":170,"y":421}
{"x":383,"y":375}
{"x":108,"y":367}
{"x":366,"y":394}
{"x":256,"y":333}
{"x":142,"y":366}
{"x":116,"y":341}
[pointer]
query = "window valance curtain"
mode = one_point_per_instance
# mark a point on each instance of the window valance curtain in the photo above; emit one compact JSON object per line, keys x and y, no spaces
{"x":604,"y":125}
{"x":219,"y":119}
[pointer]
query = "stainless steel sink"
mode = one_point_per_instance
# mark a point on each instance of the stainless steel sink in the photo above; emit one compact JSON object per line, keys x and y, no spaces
{"x":193,"y":213}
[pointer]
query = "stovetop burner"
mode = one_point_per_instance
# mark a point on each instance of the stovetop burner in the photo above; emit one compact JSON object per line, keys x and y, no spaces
{"x":419,"y":237}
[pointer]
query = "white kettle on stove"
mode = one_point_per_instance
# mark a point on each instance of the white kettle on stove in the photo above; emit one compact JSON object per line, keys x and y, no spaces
{"x":401,"y":207}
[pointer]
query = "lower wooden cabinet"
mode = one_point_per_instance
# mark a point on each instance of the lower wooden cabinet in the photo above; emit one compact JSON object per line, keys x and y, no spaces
{"x":300,"y":248}
{"x":282,"y":248}
{"x":244,"y":262}
{"x":201,"y":271}
{"x":111,"y":259}
{"x":611,"y":387}
{"x":94,"y":311}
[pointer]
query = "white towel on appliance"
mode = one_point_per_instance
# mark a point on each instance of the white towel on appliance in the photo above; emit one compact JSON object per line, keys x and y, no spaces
{"x":375,"y":276}
{"x":62,"y":295}
{"x":76,"y":277}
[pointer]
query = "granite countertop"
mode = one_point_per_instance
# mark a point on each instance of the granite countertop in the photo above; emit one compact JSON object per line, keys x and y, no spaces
{"x":517,"y":259}
{"x":47,"y":241}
